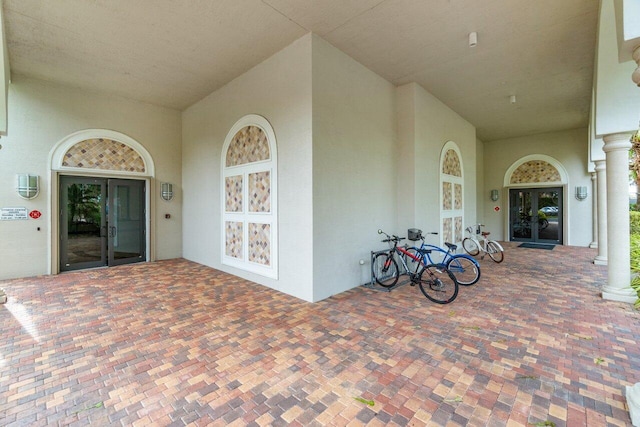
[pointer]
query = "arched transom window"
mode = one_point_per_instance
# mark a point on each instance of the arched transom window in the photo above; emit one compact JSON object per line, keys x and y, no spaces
{"x":535,"y":171}
{"x":249,"y":197}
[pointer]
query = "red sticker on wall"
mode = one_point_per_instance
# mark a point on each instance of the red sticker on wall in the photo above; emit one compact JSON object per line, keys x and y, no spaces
{"x":35,"y":214}
{"x":497,"y":209}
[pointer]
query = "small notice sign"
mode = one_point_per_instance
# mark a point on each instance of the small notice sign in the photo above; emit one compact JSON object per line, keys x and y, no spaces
{"x":12,"y":214}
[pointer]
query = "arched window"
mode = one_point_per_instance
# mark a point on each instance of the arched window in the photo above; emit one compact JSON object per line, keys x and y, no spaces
{"x":249,"y":205}
{"x":535,"y":169}
{"x":451,"y":193}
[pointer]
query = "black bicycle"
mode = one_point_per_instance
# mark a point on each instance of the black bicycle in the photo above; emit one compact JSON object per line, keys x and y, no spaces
{"x":436,"y":281}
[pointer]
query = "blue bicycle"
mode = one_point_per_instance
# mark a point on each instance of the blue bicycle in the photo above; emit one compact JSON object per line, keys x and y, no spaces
{"x":464,"y":267}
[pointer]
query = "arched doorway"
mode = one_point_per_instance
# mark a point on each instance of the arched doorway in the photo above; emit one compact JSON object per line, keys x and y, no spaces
{"x":536,"y":200}
{"x":99,"y":190}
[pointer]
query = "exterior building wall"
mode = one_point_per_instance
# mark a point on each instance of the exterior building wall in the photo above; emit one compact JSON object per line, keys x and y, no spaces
{"x":432,"y":124}
{"x":354,"y":168}
{"x":40,"y":115}
{"x":355,"y":154}
{"x":567,"y":148}
{"x":279,"y":89}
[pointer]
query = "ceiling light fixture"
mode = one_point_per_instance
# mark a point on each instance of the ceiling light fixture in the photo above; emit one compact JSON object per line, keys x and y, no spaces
{"x":473,"y":39}
{"x":512,"y":99}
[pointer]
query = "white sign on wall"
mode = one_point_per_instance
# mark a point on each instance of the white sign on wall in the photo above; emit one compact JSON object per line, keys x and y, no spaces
{"x":12,"y":214}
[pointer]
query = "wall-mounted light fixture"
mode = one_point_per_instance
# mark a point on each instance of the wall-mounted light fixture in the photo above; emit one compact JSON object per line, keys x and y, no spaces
{"x":28,"y":186}
{"x":473,"y":39}
{"x":166,"y":191}
{"x":494,"y":195}
{"x":581,"y":193}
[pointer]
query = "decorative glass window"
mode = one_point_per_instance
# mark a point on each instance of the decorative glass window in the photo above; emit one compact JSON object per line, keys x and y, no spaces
{"x":452,"y":206}
{"x":249,"y":217}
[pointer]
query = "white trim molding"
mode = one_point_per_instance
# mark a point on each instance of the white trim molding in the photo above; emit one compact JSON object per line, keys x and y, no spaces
{"x":245,"y":216}
{"x":58,"y":151}
{"x":564,"y":176}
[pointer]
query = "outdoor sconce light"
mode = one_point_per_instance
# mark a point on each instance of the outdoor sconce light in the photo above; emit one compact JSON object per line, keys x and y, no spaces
{"x":166,"y":191}
{"x":473,"y":39}
{"x":494,"y":195}
{"x":28,"y":186}
{"x":581,"y":193}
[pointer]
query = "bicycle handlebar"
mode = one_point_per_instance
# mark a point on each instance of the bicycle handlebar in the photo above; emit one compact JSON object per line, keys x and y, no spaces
{"x":392,"y":238}
{"x":477,"y":227}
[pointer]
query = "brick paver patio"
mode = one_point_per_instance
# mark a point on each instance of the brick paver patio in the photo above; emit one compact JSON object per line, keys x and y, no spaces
{"x":177,"y":343}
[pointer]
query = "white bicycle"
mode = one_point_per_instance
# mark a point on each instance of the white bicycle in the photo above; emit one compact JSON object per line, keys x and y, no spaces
{"x":473,"y":246}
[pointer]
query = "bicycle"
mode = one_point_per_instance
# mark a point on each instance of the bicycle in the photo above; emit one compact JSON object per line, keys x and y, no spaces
{"x":464,"y":267}
{"x":473,"y":247}
{"x":436,"y":282}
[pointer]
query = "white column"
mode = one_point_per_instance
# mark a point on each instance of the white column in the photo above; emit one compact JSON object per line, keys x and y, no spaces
{"x":601,"y":169}
{"x":594,"y":211}
{"x":633,"y":393}
{"x":618,"y":287}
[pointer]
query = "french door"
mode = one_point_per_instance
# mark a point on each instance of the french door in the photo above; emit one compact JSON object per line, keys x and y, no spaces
{"x":102,"y":222}
{"x":535,"y":215}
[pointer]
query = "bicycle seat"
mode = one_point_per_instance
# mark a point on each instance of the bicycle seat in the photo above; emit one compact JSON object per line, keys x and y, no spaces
{"x":451,"y":246}
{"x":485,"y":233}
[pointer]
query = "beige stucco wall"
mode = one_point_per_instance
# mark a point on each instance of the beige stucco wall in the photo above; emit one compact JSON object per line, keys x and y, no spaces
{"x":354,"y":168}
{"x":568,"y":148}
{"x":40,"y":115}
{"x":425,"y":126}
{"x":279,"y":89}
{"x":482,"y":198}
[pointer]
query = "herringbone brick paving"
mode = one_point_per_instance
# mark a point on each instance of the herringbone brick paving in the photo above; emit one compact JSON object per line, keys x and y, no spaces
{"x":176,"y":343}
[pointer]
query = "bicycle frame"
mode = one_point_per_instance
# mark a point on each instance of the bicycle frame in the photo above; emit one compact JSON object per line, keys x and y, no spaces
{"x":483,"y":247}
{"x":403,"y":251}
{"x":437,"y":283}
{"x":455,"y":262}
{"x":447,"y":255}
{"x":399,"y":250}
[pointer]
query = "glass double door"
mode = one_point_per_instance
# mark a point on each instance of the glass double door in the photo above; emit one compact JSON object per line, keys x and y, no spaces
{"x":102,"y":222}
{"x":535,"y":215}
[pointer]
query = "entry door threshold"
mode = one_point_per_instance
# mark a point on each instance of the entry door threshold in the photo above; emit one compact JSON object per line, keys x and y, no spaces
{"x":84,"y":269}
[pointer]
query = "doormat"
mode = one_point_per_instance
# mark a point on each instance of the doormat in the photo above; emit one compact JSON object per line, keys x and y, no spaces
{"x":537,"y":246}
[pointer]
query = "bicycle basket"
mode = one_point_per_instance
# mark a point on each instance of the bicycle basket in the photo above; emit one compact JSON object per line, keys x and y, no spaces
{"x":414,"y":234}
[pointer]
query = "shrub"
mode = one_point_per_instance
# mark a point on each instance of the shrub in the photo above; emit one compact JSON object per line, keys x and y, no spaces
{"x":634,"y":222}
{"x":634,"y":225}
{"x":635,"y":253}
{"x":635,"y":284}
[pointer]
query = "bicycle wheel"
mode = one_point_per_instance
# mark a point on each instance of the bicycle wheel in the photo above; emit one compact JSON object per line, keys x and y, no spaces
{"x":470,"y":246}
{"x":438,"y":284}
{"x":467,"y":272}
{"x":385,"y":270}
{"x":495,"y":252}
